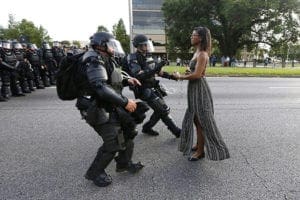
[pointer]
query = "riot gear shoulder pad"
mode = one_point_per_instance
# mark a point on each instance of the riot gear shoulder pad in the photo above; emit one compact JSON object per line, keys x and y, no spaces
{"x":89,"y":55}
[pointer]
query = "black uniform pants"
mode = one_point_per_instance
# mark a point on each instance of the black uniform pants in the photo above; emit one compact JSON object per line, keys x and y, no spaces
{"x":113,"y":142}
{"x":160,"y":111}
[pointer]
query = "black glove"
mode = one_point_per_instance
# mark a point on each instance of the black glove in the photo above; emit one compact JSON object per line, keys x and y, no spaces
{"x":160,"y":65}
{"x":168,"y":76}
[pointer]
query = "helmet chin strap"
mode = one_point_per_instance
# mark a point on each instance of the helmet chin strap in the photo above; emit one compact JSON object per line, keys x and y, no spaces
{"x":142,"y":51}
{"x":102,"y":51}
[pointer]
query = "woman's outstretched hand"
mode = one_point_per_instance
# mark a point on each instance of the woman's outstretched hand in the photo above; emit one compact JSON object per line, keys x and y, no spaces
{"x":176,"y":75}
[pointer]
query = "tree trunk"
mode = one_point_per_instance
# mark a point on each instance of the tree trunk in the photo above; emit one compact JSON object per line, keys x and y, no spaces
{"x":283,"y":62}
{"x":254,"y":62}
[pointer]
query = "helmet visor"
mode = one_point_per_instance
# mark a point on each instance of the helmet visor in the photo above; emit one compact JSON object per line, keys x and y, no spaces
{"x":32,"y":47}
{"x":18,"y":46}
{"x":150,"y":47}
{"x":56,"y":44}
{"x":116,"y":46}
{"x":6,"y":45}
{"x":47,"y":46}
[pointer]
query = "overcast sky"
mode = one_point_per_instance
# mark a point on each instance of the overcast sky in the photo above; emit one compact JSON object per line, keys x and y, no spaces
{"x":67,"y":20}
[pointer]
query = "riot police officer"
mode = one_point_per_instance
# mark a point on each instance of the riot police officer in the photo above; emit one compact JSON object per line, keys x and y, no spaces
{"x":34,"y":59}
{"x":49,"y":63}
{"x":9,"y":75}
{"x":142,"y":66}
{"x":58,"y":52}
{"x":23,"y":68}
{"x":1,"y":97}
{"x":103,"y":107}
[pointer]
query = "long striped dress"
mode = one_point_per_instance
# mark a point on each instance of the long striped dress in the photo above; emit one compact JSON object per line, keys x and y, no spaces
{"x":200,"y":104}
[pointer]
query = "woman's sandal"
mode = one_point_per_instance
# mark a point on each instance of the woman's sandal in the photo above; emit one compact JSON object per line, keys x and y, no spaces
{"x":197,"y":158}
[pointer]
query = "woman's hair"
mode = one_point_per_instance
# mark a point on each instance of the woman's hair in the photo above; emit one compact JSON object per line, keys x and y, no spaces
{"x":204,"y":33}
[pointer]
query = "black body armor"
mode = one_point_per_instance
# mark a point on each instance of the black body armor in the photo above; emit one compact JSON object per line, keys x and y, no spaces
{"x":144,"y":68}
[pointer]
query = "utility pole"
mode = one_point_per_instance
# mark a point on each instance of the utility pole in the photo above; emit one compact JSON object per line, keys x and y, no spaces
{"x":130,"y":25}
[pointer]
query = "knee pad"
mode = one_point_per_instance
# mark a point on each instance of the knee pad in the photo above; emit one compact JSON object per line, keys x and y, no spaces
{"x":111,"y":145}
{"x":130,"y":134}
{"x":159,"y":106}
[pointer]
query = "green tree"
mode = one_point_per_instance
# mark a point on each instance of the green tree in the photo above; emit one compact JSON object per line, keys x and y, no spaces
{"x":24,"y":28}
{"x":12,"y":31}
{"x":119,"y":31}
{"x":77,"y":43}
{"x":102,"y":29}
{"x":65,"y":43}
{"x":233,"y":23}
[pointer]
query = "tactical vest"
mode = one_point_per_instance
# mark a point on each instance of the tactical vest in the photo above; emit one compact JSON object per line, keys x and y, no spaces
{"x":47,"y":54}
{"x":9,"y":59}
{"x":33,"y":58}
{"x":19,"y":56}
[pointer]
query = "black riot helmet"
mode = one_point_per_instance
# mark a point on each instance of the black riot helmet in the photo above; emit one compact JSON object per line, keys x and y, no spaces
{"x":31,"y":46}
{"x":17,"y":45}
{"x":56,"y":44}
{"x":24,"y":45}
{"x":6,"y":46}
{"x":100,"y":39}
{"x":141,"y":39}
{"x":46,"y":46}
{"x":108,"y":42}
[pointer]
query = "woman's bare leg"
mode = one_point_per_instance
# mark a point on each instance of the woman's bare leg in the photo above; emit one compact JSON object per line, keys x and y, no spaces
{"x":200,"y":138}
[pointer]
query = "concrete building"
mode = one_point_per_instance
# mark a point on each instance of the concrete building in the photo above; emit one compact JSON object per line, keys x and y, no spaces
{"x":146,"y":18}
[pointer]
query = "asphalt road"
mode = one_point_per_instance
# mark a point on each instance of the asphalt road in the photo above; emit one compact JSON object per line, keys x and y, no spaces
{"x":45,"y":148}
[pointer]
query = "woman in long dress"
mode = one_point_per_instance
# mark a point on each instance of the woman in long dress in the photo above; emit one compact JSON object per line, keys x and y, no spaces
{"x":200,"y":109}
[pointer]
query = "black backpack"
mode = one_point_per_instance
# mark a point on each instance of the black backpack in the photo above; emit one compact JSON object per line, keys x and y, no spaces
{"x":66,"y":85}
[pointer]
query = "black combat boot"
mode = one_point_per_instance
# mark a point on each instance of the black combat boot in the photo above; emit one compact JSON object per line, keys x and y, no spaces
{"x":46,"y":81}
{"x":31,"y":85}
{"x":5,"y":90}
{"x":24,"y":86}
{"x":130,"y":167}
{"x":96,"y":170}
{"x":52,"y":79}
{"x":124,"y":162}
{"x":2,"y":98}
{"x":39,"y":85}
{"x":150,"y":132}
{"x":103,"y":179}
{"x":176,"y":131}
{"x":16,"y":90}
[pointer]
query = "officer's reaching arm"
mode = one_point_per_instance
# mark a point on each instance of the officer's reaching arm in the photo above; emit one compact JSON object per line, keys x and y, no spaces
{"x":167,"y":75}
{"x":148,"y":73}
